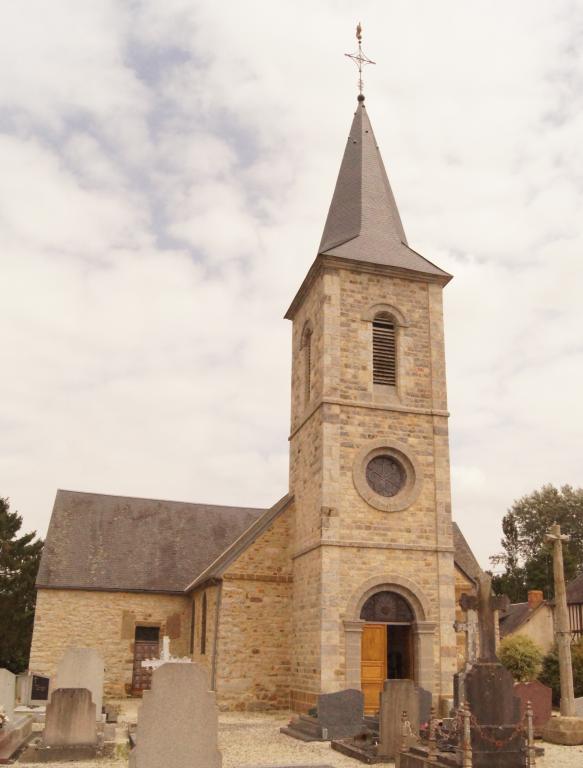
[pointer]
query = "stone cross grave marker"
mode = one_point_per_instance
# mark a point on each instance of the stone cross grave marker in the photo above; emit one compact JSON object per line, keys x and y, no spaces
{"x":562,"y":630}
{"x":470,"y":627}
{"x":486,"y":605}
{"x":82,"y":668}
{"x":165,"y":657}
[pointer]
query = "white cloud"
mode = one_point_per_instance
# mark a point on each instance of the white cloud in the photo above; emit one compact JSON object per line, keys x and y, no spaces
{"x":166,"y":172}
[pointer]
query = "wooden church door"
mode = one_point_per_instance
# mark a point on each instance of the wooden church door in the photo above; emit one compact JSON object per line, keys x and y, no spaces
{"x":373,"y":671}
{"x":146,"y":646}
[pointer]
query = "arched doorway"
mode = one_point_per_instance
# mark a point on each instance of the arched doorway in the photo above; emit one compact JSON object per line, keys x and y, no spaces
{"x":387,"y":649}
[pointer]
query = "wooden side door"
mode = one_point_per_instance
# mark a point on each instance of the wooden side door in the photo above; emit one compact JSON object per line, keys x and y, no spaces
{"x":373,"y":666}
{"x":142,"y":677}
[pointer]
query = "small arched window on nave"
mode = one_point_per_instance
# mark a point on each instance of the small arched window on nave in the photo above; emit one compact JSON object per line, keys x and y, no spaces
{"x":203,"y":626}
{"x":306,"y":347}
{"x":384,"y":350}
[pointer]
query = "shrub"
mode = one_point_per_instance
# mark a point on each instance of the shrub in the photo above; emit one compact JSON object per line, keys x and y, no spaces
{"x":521,"y":656}
{"x":550,"y":670}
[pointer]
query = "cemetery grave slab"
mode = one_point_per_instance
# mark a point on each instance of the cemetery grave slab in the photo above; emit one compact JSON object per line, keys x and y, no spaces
{"x":17,"y":730}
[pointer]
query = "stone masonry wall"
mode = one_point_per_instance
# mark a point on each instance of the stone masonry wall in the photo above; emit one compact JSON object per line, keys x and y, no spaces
{"x":107,"y":622}
{"x":306,"y":483}
{"x":347,"y":539}
{"x":254,"y":641}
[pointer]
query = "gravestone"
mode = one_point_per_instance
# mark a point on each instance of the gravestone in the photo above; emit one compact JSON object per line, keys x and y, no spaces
{"x":32,"y":690}
{"x":459,"y":689}
{"x":540,"y":697}
{"x":398,"y":696}
{"x":496,"y":732}
{"x":82,"y":668}
{"x":7,"y":692}
{"x":567,"y":728}
{"x":177,"y":737}
{"x":339,"y":716}
{"x":70,"y":719}
{"x":425,"y":702}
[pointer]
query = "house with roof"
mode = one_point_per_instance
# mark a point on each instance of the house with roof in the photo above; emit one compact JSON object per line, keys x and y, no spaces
{"x":351,"y":577}
{"x":535,"y":617}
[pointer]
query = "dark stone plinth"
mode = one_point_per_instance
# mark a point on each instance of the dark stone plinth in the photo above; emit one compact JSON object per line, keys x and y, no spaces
{"x":540,"y":697}
{"x":417,"y":757}
{"x":339,"y":715}
{"x":360,"y":748}
{"x":496,"y":729}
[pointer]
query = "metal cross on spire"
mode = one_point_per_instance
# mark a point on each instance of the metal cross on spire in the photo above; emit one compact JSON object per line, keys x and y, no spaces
{"x":360,"y":59}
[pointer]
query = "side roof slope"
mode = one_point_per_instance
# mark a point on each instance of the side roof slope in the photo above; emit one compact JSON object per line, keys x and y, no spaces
{"x":463,"y":556}
{"x":102,"y":542}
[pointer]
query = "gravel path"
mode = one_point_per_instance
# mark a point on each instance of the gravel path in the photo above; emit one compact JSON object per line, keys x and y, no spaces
{"x":253,"y":740}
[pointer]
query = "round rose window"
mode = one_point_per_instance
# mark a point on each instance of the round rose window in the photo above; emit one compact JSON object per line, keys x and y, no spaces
{"x":385,"y":475}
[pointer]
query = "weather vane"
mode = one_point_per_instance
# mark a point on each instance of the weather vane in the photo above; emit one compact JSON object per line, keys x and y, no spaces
{"x":360,"y":59}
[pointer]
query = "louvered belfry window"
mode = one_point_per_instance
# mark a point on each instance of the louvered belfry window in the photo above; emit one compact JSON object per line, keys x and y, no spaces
{"x":384,"y":351}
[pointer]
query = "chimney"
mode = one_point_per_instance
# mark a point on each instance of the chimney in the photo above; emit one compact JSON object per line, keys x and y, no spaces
{"x":535,"y":598}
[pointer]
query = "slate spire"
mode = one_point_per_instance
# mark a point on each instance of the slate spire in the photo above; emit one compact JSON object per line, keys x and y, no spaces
{"x":363,"y":222}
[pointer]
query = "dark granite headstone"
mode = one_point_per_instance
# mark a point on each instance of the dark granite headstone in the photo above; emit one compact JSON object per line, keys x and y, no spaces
{"x":540,"y":696}
{"x":497,"y":737}
{"x":339,"y":716}
{"x":39,"y":688}
{"x":341,"y":713}
{"x":425,"y":702}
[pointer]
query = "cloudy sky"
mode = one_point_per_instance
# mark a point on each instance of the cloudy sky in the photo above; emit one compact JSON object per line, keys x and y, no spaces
{"x":166,"y":169}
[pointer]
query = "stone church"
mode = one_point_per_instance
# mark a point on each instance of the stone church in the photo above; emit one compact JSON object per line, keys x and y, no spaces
{"x":351,"y":577}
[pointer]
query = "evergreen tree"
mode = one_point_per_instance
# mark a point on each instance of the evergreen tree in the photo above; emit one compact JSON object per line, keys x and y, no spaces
{"x":19,"y":561}
{"x":527,"y":559}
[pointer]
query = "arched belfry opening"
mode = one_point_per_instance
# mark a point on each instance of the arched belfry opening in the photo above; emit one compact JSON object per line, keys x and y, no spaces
{"x":387,"y":644}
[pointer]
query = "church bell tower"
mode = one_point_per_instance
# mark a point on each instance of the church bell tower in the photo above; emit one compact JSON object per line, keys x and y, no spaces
{"x":373,"y":583}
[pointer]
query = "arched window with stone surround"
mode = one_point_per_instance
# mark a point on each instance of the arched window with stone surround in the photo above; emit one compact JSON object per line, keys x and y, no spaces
{"x":384,"y":349}
{"x":387,"y":607}
{"x":306,"y":347}
{"x":203,"y":626}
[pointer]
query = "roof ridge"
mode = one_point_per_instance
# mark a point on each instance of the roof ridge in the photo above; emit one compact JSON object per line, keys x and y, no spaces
{"x":163,"y":501}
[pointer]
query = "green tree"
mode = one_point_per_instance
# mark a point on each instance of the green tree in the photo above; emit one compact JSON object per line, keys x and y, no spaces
{"x":19,"y":561}
{"x":550,"y":670}
{"x":526,"y":559}
{"x":521,"y":656}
